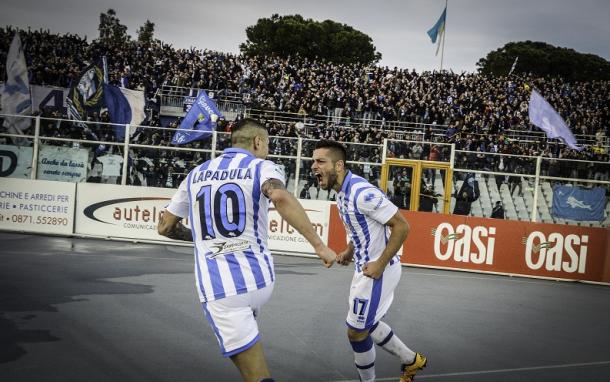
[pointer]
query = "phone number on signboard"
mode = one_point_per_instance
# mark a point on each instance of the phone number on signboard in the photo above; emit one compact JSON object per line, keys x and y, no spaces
{"x":43,"y":220}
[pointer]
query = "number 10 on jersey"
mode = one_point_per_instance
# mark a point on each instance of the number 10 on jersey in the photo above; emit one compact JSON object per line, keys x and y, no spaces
{"x":223,"y":213}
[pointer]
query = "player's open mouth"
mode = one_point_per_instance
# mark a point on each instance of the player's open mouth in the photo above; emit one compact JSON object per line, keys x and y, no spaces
{"x":318,"y":176}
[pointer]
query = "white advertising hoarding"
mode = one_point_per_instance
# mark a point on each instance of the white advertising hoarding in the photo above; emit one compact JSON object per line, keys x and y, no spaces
{"x":133,"y":212}
{"x":283,"y":237}
{"x":36,"y":206}
{"x":120,"y":211}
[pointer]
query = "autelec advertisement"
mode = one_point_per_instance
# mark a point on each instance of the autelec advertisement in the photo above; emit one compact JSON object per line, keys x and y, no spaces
{"x":120,"y":211}
{"x":500,"y":246}
{"x":37,"y":206}
{"x":133,"y":212}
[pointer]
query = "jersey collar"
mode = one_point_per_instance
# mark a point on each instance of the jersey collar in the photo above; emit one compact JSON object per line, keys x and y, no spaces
{"x":237,"y":150}
{"x":346,"y":180}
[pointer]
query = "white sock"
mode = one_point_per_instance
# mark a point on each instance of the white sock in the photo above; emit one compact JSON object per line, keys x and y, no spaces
{"x":364,"y":357}
{"x":384,"y":337}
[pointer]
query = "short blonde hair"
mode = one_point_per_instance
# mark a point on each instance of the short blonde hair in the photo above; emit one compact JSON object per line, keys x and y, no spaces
{"x":245,"y":130}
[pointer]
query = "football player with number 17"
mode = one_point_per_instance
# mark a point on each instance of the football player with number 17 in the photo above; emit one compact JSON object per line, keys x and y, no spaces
{"x":377,"y":230}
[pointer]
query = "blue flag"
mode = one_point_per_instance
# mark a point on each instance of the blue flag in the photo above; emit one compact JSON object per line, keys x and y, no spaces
{"x":124,"y":106}
{"x":438,"y":29}
{"x":199,"y":122}
{"x":543,"y":115}
{"x":576,"y":203}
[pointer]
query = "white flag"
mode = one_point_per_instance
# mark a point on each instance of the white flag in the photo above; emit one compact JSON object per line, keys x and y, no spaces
{"x":514,"y":65}
{"x":543,"y":115}
{"x":16,"y":92}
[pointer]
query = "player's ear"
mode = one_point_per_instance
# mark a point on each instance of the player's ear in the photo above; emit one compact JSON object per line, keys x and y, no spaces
{"x":258,"y":140}
{"x":339,"y":165}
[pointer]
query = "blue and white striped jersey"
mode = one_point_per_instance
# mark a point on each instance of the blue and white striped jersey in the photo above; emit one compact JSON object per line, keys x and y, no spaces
{"x":364,"y":210}
{"x":228,"y":216}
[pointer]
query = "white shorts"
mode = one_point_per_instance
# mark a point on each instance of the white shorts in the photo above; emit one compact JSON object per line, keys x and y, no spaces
{"x":233,"y":319}
{"x":370,"y":299}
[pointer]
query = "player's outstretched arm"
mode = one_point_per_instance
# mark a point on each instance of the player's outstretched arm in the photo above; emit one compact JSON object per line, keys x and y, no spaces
{"x":291,"y":210}
{"x":170,"y":226}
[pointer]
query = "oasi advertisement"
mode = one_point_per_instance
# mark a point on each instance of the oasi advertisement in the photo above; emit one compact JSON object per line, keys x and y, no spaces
{"x":120,"y":211}
{"x":499,"y":246}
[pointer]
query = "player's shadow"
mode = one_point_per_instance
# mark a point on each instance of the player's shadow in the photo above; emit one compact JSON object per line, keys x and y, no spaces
{"x":38,"y":274}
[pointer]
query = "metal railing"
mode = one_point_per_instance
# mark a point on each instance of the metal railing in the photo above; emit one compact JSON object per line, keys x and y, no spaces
{"x":313,"y":120}
{"x":174,"y":96}
{"x":148,"y":158}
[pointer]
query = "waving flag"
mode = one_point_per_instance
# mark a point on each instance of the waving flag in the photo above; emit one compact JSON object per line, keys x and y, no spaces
{"x":87,"y":94}
{"x":199,"y":121}
{"x":16,"y":91}
{"x":437,"y":31}
{"x":543,"y":115}
{"x":124,"y":106}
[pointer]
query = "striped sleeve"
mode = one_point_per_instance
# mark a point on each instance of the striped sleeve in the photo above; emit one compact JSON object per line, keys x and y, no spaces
{"x":179,"y":205}
{"x":270,"y":170}
{"x":374,"y":203}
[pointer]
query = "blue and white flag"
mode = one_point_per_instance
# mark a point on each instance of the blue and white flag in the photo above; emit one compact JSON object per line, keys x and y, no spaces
{"x":16,"y":97}
{"x":547,"y":119}
{"x":576,"y":203}
{"x":125,"y":106}
{"x":438,"y":30}
{"x":199,"y":122}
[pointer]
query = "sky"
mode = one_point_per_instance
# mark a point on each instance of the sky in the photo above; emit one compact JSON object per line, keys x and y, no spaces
{"x":397,"y":28}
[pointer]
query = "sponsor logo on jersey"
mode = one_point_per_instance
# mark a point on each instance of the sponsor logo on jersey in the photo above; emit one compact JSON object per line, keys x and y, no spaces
{"x":223,"y":247}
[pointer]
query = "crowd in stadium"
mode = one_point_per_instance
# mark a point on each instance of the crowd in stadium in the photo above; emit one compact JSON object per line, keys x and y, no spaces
{"x":482,"y":112}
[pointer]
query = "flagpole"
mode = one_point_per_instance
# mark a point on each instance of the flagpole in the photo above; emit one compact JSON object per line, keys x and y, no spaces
{"x":105,"y":67}
{"x":444,"y":34}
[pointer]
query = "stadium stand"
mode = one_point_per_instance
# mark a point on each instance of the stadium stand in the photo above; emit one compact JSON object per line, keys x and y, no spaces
{"x":482,"y":116}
